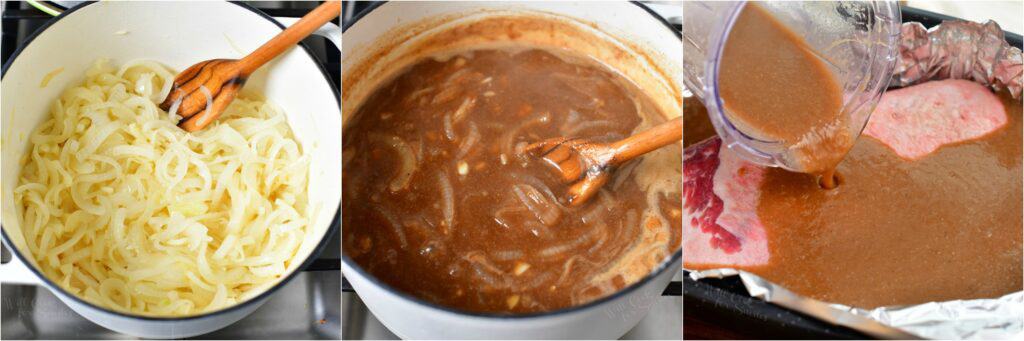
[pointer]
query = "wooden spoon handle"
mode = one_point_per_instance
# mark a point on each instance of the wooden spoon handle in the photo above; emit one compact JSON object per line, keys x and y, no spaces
{"x":654,"y":138}
{"x":284,"y":40}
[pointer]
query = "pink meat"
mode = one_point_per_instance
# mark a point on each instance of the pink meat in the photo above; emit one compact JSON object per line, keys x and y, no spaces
{"x":720,"y":190}
{"x":916,"y":121}
{"x":720,"y":224}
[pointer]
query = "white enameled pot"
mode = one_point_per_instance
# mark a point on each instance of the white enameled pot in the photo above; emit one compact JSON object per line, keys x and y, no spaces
{"x":177,"y":35}
{"x":373,"y":49}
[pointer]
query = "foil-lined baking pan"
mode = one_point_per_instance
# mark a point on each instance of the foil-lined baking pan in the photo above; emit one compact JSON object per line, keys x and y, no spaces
{"x":985,"y":319}
{"x":952,"y":49}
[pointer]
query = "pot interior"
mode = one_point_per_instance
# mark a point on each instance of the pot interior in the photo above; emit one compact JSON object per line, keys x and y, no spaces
{"x":376,"y":54}
{"x":125,"y":31}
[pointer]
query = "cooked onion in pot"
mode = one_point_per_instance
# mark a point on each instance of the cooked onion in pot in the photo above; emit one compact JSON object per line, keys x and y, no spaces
{"x":124,"y":209}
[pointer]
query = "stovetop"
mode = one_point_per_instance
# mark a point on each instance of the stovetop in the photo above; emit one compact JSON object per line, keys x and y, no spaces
{"x":305,"y":308}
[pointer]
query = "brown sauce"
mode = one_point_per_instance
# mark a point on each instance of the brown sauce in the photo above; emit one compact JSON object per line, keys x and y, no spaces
{"x":696,"y":125}
{"x":474,"y":225}
{"x":774,"y":86}
{"x":947,"y":226}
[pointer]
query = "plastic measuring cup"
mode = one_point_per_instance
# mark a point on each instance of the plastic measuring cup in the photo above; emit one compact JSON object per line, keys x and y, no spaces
{"x":858,"y":40}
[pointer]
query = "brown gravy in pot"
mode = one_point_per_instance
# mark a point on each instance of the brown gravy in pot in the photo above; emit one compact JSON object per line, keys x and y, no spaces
{"x":895,"y":232}
{"x":773,"y":84}
{"x":439,"y":203}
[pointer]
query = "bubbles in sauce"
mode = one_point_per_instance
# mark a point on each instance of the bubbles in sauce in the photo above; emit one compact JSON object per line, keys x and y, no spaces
{"x":440,"y":203}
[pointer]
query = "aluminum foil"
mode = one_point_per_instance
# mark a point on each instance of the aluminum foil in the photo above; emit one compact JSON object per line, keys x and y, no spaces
{"x":953,"y":49}
{"x":980,"y":319}
{"x":961,"y":50}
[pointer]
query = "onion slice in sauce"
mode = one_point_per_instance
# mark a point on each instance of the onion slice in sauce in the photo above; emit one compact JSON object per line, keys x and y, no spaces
{"x":536,"y":183}
{"x":464,"y":108}
{"x":508,"y":140}
{"x":394,"y":225}
{"x":449,"y":129}
{"x":467,"y":146}
{"x":546,"y":211}
{"x":448,"y":203}
{"x":406,"y":157}
{"x":507,"y":255}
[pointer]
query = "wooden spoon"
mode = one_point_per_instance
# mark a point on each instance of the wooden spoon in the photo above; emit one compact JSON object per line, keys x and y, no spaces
{"x":217,"y":81}
{"x":588,"y":165}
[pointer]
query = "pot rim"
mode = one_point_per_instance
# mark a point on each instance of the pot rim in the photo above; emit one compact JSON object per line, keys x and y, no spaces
{"x":654,"y":273}
{"x":331,"y":229}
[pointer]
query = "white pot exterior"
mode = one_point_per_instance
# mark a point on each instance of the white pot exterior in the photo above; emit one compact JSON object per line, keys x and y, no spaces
{"x":178,"y":35}
{"x":607,"y":318}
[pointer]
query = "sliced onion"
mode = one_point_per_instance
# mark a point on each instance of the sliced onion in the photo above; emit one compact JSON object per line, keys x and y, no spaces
{"x":466,"y":146}
{"x":595,"y":213}
{"x":464,"y":108}
{"x":455,"y":76}
{"x":631,"y":222}
{"x":602,"y":237}
{"x":598,"y":208}
{"x":445,"y":95}
{"x":394,"y":225}
{"x":406,"y":157}
{"x":624,"y":173}
{"x":419,"y":150}
{"x":571,"y":120}
{"x":536,"y":183}
{"x":628,"y":229}
{"x":572,"y":245}
{"x":431,"y":247}
{"x":508,"y":140}
{"x":418,"y":93}
{"x":507,"y":255}
{"x":546,"y":211}
{"x":422,"y":224}
{"x":448,"y":203}
{"x":209,"y":104}
{"x":449,"y":129}
{"x":492,"y":281}
{"x":536,"y":281}
{"x":501,"y":222}
{"x":501,"y":215}
{"x":537,"y":229}
{"x":566,"y":268}
{"x":485,"y":270}
{"x":173,"y":113}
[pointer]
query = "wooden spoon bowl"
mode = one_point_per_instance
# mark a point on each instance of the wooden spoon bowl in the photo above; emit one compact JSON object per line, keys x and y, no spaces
{"x":588,"y":165}
{"x":202,"y":92}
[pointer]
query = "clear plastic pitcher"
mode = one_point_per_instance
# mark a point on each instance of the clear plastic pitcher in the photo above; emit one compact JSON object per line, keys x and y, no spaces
{"x":857,"y":39}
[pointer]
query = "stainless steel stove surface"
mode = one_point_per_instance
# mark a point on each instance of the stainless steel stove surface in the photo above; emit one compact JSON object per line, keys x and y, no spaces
{"x":306,"y":308}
